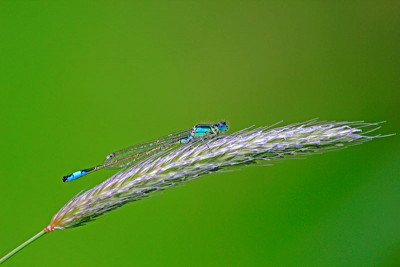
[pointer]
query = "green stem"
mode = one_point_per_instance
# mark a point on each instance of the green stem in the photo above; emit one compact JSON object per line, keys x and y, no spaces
{"x":27,"y":242}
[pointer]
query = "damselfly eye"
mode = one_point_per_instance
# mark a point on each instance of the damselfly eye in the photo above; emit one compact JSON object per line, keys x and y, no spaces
{"x":110,"y":156}
{"x":222,"y":126}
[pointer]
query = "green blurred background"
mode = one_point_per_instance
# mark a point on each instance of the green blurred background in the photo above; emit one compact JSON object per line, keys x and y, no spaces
{"x":80,"y":79}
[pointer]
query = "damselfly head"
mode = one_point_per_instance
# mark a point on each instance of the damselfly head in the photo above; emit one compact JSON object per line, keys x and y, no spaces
{"x":222,"y":126}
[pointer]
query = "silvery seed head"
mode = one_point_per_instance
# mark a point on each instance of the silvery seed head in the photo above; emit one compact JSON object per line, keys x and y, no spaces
{"x":246,"y":147}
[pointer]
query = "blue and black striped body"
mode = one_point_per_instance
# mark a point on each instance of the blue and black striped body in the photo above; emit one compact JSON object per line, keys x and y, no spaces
{"x":128,"y":156}
{"x":205,"y":130}
{"x":77,"y":174}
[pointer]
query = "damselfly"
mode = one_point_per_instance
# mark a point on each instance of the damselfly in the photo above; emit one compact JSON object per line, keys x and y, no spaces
{"x":127,"y":156}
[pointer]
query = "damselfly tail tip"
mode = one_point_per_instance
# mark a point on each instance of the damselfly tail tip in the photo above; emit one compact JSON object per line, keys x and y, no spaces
{"x":65,"y":178}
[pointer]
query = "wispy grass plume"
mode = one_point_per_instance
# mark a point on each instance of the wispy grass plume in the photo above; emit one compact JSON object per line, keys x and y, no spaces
{"x":191,"y":161}
{"x":187,"y":162}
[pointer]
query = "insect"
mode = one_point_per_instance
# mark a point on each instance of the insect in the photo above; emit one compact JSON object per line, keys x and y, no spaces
{"x":127,"y":156}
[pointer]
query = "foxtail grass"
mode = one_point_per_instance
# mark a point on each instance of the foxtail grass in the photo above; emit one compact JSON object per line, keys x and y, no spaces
{"x":190,"y":161}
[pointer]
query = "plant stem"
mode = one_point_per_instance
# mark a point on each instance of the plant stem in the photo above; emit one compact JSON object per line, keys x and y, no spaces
{"x":27,"y":242}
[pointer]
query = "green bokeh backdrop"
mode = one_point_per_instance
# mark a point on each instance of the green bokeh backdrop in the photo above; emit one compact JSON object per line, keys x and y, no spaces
{"x":80,"y":79}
